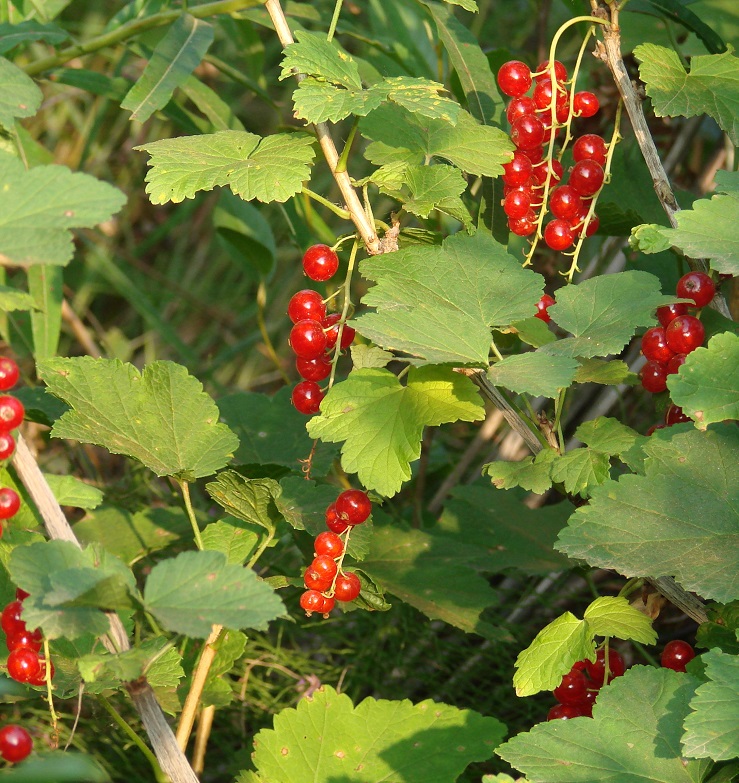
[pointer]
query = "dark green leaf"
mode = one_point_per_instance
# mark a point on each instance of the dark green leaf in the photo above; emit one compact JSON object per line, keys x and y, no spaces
{"x":534,"y":373}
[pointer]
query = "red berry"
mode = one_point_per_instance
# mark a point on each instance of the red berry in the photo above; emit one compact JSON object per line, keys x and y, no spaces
{"x":560,"y":72}
{"x":585,"y":104}
{"x":697,"y":286}
{"x":11,"y":412}
{"x":311,"y":601}
{"x":674,"y":415}
{"x":32,"y":640}
{"x":7,"y":445}
{"x":315,"y":580}
{"x":520,"y":106}
{"x":653,"y":377}
{"x":514,"y":78}
{"x":313,"y":369}
{"x":590,"y":146}
{"x":10,"y":502}
{"x":558,"y":234}
{"x":668,"y":313}
{"x":654,"y":345}
{"x":525,"y":226}
{"x":347,"y":587}
{"x":333,"y":522}
{"x":565,"y":202}
{"x":685,"y":333}
{"x":518,"y":171}
{"x":572,"y":689}
{"x":40,"y":678}
{"x":587,"y":177}
{"x":327,"y":605}
{"x":328,"y":543}
{"x":8,"y":373}
{"x":567,"y":711}
{"x":677,"y":361}
{"x":307,"y":396}
{"x":676,"y":655}
{"x":20,"y":594}
{"x":307,"y":339}
{"x":597,"y":671}
{"x":527,"y":133}
{"x":353,"y":506}
{"x":320,"y":262}
{"x":542,"y":308}
{"x":306,"y":304}
{"x":543,"y":96}
{"x":10,"y":620}
{"x":517,"y":203}
{"x":593,"y":223}
{"x":15,"y":743}
{"x":535,"y":155}
{"x":325,"y":566}
{"x":23,"y":664}
{"x":331,"y":324}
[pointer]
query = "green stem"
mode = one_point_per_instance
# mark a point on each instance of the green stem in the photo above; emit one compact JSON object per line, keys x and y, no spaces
{"x":645,"y":654}
{"x":497,"y":353}
{"x":185,"y":487}
{"x":341,"y":164}
{"x":133,"y":28}
{"x":342,"y":213}
{"x":334,"y":20}
{"x":260,"y":549}
{"x":631,"y":586}
{"x":47,"y":678}
{"x":134,"y":737}
{"x":558,"y":408}
{"x":345,"y":309}
{"x":262,"y":324}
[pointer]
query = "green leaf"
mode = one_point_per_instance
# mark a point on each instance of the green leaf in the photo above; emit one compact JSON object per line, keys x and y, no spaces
{"x":313,"y":55}
{"x":229,"y":648}
{"x":19,"y":95}
{"x":707,"y":385}
{"x":649,"y":239}
{"x":251,"y":500}
{"x":71,"y":491}
{"x":611,"y":372}
{"x":420,"y":96}
{"x":382,"y":421}
{"x":581,"y":470}
{"x":45,"y":284}
{"x":721,"y":629}
{"x":372,"y":741}
{"x":533,"y":331}
{"x":175,"y":57}
{"x":439,"y":303}
{"x":676,"y":11}
{"x":604,"y":312}
{"x":12,"y":35}
{"x":712,"y":728}
{"x":191,"y":592}
{"x":607,"y":435}
{"x":534,"y":373}
{"x":679,"y":519}
{"x":530,"y":473}
{"x":425,"y":188}
{"x":57,"y":767}
{"x":147,"y":658}
{"x":612,"y":615}
{"x":207,"y":100}
{"x":541,"y":666}
{"x":39,"y":206}
{"x":231,"y":537}
{"x":246,"y":234}
{"x":319,"y":101}
{"x":633,"y":736}
{"x":267,"y":169}
{"x":162,"y":417}
{"x":12,"y":299}
{"x":711,"y":87}
{"x":369,"y":357}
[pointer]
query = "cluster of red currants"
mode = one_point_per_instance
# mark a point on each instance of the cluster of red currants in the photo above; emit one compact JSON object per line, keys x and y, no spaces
{"x":11,"y":417}
{"x":24,"y":662}
{"x":325,"y":579}
{"x":525,"y":177}
{"x":667,"y":346}
{"x":315,"y":334}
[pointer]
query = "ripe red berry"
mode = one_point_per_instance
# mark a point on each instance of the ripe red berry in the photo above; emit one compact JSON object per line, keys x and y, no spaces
{"x":585,"y":104}
{"x":697,"y":286}
{"x":520,"y":106}
{"x":347,"y":587}
{"x":565,"y":202}
{"x":333,"y":522}
{"x":8,"y":373}
{"x":685,"y":333}
{"x":676,"y":655}
{"x":668,"y":313}
{"x":320,"y":263}
{"x":15,"y":743}
{"x":590,"y":146}
{"x":311,"y":601}
{"x":543,"y":95}
{"x":597,"y":670}
{"x":527,"y":133}
{"x":542,"y":308}
{"x":572,"y":689}
{"x":23,"y":664}
{"x":567,"y":711}
{"x":32,"y":640}
{"x":313,"y":369}
{"x":20,"y":594}
{"x":514,"y":78}
{"x":353,"y":506}
{"x":10,"y":620}
{"x":592,"y":226}
{"x":325,"y":566}
{"x":307,"y":396}
{"x":7,"y":445}
{"x":674,"y":415}
{"x":306,"y":304}
{"x":560,"y":72}
{"x":331,"y":324}
{"x":328,"y":543}
{"x":11,"y":412}
{"x":677,"y":361}
{"x":40,"y":678}
{"x":518,"y":171}
{"x":517,"y":203}
{"x":10,"y":502}
{"x":315,"y":580}
{"x":308,"y":339}
{"x":525,"y":226}
{"x":558,"y":234}
{"x":654,"y":345}
{"x":587,"y":177}
{"x":653,"y":377}
{"x":327,"y":605}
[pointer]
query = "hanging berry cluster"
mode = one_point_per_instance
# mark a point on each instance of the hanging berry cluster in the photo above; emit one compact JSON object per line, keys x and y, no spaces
{"x":314,"y":334}
{"x":325,"y":578}
{"x":11,"y":417}
{"x":25,"y":664}
{"x":667,"y":346}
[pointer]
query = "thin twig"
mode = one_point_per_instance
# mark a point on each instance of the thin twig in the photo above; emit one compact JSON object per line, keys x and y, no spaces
{"x":205,"y":724}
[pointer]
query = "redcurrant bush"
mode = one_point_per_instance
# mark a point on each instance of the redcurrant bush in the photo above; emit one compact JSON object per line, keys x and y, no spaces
{"x":590,"y":146}
{"x":597,"y":670}
{"x":587,"y":177}
{"x":518,"y":171}
{"x":320,"y":263}
{"x":317,"y":369}
{"x":668,"y":313}
{"x":331,"y":324}
{"x":324,"y":565}
{"x":527,"y":133}
{"x":567,"y":711}
{"x":315,"y":580}
{"x":675,"y":363}
{"x":10,"y":620}
{"x":654,"y":345}
{"x":585,"y":104}
{"x":674,"y":415}
{"x":32,"y":640}
{"x":311,"y":601}
{"x":518,"y":107}
{"x":15,"y":743}
{"x":333,"y":522}
{"x":7,"y":445}
{"x":565,"y":202}
{"x":572,"y":689}
{"x":558,"y":234}
{"x":543,"y":72}
{"x":40,"y":678}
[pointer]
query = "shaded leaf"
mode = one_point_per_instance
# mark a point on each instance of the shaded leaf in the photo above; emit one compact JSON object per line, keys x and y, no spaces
{"x":611,"y":372}
{"x":71,"y":491}
{"x":12,"y":35}
{"x":231,"y":537}
{"x":581,"y":470}
{"x":534,"y":373}
{"x":251,"y":500}
{"x":19,"y":95}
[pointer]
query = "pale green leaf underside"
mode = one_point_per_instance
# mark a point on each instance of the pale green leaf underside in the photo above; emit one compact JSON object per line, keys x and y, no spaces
{"x":162,"y":417}
{"x":19,"y":95}
{"x":534,"y":373}
{"x":267,"y":169}
{"x":609,"y":373}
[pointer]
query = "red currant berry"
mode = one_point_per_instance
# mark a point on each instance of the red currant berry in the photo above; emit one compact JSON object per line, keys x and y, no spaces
{"x":325,"y":566}
{"x":653,"y":377}
{"x":347,"y":587}
{"x":587,"y":177}
{"x":333,"y":522}
{"x":311,"y":601}
{"x":654,"y":345}
{"x":10,"y":620}
{"x":654,"y":428}
{"x":313,"y":369}
{"x":677,"y":361}
{"x":585,"y":104}
{"x":327,"y":605}
{"x":308,"y":339}
{"x":10,"y":502}
{"x":685,"y":333}
{"x":23,"y":664}
{"x":307,"y":396}
{"x":572,"y":689}
{"x":9,"y":372}
{"x":520,"y":106}
{"x":590,"y":146}
{"x":320,"y":263}
{"x":518,"y":171}
{"x":697,"y":286}
{"x":20,"y":594}
{"x":535,"y":155}
{"x":32,"y":640}
{"x":517,"y":203}
{"x":593,"y":223}
{"x":668,"y":313}
{"x":331,"y":324}
{"x":542,"y":308}
{"x":525,"y":226}
{"x":560,"y":72}
{"x":567,"y":711}
{"x":306,"y":304}
{"x":558,"y":234}
{"x":514,"y":78}
{"x":543,"y":96}
{"x":315,"y":580}
{"x":7,"y":445}
{"x":11,"y":412}
{"x":40,"y":678}
{"x":674,"y":415}
{"x":597,"y":671}
{"x":527,"y":133}
{"x":676,"y":655}
{"x":565,"y":202}
{"x":15,"y":743}
{"x":328,"y":543}
{"x":353,"y":506}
